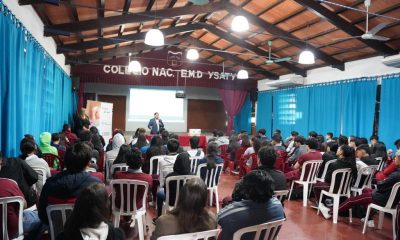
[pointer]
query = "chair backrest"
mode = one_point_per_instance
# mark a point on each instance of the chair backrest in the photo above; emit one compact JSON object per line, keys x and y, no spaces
{"x":50,"y":159}
{"x":109,"y":163}
{"x":41,"y":171}
{"x":154,"y":166}
{"x":380,"y":163}
{"x":281,"y":194}
{"x":127,"y":197}
{"x":393,"y":195}
{"x":211,"y":234}
{"x":238,"y":153}
{"x":326,"y":168}
{"x":122,"y":167}
{"x":193,"y":163}
{"x":212,"y":175}
{"x":365,"y":176}
{"x":270,"y":230}
{"x":180,"y":180}
{"x":222,"y":149}
{"x":58,"y":215}
{"x":4,"y":203}
{"x":309,"y":171}
{"x":341,"y":182}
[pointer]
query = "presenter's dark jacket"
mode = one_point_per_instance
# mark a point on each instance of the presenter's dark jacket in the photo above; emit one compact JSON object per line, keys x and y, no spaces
{"x":153,"y":126}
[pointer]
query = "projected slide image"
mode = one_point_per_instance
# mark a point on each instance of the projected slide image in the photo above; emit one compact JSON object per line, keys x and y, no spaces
{"x":143,"y":103}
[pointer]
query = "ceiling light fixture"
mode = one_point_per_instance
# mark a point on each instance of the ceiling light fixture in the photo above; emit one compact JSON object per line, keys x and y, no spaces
{"x":243,"y":74}
{"x":192,"y":54}
{"x":306,"y":57}
{"x":154,"y":37}
{"x":134,"y":66}
{"x":240,"y":24}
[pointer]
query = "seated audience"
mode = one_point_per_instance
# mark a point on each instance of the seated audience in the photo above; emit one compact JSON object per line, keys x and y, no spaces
{"x":253,"y":150}
{"x":55,"y":142}
{"x":19,"y":171}
{"x":258,"y":206}
{"x":299,"y":148}
{"x":245,"y":140}
{"x":312,"y":154}
{"x":45,"y":144}
{"x":31,"y":222}
{"x":134,"y":161}
{"x":277,"y":143}
{"x":190,"y":214}
{"x":86,"y":136}
{"x":28,"y":148}
{"x":233,"y":145}
{"x":353,"y":141}
{"x":312,"y":134}
{"x":181,"y":167}
{"x":373,"y":140}
{"x":141,"y":143}
{"x":343,"y":140}
{"x":328,"y":137}
{"x":134,"y":138}
{"x":70,"y":137}
{"x":90,"y":217}
{"x":362,"y":153}
{"x":290,"y":142}
{"x":175,"y":136}
{"x":95,"y":131}
{"x":221,"y":138}
{"x":117,"y":142}
{"x":156,"y":149}
{"x":379,"y":150}
{"x":68,"y":183}
{"x":195,"y":151}
{"x":110,"y":145}
{"x":165,"y":137}
{"x":212,"y":158}
{"x":166,"y":164}
{"x":330,"y":154}
{"x":378,"y":196}
{"x":123,"y":150}
{"x":261,"y":134}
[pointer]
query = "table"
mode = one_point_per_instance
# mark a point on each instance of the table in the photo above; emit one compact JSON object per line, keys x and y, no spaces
{"x":184,"y":140}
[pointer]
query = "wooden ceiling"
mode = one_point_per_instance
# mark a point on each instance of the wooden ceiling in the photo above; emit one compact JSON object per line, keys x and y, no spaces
{"x":97,"y":30}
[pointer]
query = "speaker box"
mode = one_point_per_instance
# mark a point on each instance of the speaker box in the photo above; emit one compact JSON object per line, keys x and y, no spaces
{"x":254,"y":95}
{"x":75,"y":83}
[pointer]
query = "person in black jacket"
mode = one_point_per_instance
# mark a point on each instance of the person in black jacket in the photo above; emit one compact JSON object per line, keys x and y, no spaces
{"x":330,"y":154}
{"x":19,"y":171}
{"x":90,"y":217}
{"x":346,"y":159}
{"x":363,"y":153}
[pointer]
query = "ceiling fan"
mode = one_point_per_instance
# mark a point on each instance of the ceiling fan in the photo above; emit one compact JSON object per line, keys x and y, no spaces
{"x":371,"y":34}
{"x":270,"y":60}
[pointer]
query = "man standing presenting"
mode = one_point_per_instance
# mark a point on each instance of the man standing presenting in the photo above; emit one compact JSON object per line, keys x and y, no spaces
{"x":155,"y":124}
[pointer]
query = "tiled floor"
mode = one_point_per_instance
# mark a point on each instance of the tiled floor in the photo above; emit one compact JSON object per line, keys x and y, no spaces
{"x":303,"y":222}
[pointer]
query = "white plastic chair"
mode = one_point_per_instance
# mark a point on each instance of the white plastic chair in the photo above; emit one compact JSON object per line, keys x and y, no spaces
{"x":380,"y":163}
{"x":337,"y":189}
{"x":193,"y":236}
{"x":281,"y":194}
{"x":155,"y":166}
{"x":128,"y":198}
{"x":308,"y":177}
{"x":109,"y":163}
{"x":364,"y":179}
{"x":389,"y":208}
{"x":322,"y":178}
{"x":193,"y":163}
{"x":55,"y":225}
{"x":211,"y":179}
{"x":41,"y":171}
{"x":270,"y":229}
{"x":12,"y":200}
{"x":180,"y":180}
{"x":118,"y":167}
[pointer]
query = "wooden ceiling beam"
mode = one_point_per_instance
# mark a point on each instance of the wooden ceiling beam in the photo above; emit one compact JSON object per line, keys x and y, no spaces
{"x":231,"y":57}
{"x":68,"y":28}
{"x":125,"y":38}
{"x":252,"y":48}
{"x":345,"y":26}
{"x":285,"y":35}
{"x":30,"y":2}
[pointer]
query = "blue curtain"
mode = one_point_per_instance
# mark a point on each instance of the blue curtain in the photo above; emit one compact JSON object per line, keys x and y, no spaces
{"x":264,"y":112}
{"x":389,"y":129}
{"x":358,"y":107}
{"x":243,"y":119}
{"x":324,"y":112}
{"x":35,"y":93}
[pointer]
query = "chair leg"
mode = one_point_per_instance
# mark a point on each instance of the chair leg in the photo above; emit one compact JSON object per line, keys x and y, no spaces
{"x":140,"y":227}
{"x":350,"y":215}
{"x":380,"y":222}
{"x":144,"y":223}
{"x":335,"y":209}
{"x":216,"y":198}
{"x":320,"y":201}
{"x":116,"y":220}
{"x":210,"y":192}
{"x":291,"y":189}
{"x":366,"y":219}
{"x":305,"y":194}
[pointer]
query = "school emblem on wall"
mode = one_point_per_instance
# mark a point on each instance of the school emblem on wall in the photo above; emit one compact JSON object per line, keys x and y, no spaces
{"x":174,"y":59}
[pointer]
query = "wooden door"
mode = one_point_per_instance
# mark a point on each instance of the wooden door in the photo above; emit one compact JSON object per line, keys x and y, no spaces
{"x":119,"y":109}
{"x":206,"y":115}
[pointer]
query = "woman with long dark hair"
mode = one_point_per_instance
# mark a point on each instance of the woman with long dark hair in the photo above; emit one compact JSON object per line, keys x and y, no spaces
{"x":123,"y":150}
{"x":190,"y":214}
{"x":89,"y":219}
{"x":141,"y":143}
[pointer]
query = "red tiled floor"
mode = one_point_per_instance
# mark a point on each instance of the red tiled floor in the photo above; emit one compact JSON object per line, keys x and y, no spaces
{"x":303,"y":222}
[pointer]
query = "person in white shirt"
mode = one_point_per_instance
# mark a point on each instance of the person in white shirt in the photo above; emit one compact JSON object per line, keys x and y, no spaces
{"x":167,"y":163}
{"x":195,"y":151}
{"x":134,"y":138}
{"x":221,"y":139}
{"x":28,"y":149}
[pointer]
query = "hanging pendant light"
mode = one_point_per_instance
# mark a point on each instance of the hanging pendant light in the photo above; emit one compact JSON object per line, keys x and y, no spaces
{"x":306,"y":57}
{"x":240,"y":24}
{"x":192,"y":54}
{"x":243,"y":74}
{"x":154,"y":37}
{"x":134,"y":66}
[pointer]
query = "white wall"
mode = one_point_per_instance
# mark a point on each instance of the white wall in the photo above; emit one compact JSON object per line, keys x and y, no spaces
{"x":30,"y":19}
{"x":123,"y":90}
{"x":355,"y":69}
